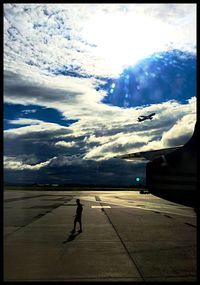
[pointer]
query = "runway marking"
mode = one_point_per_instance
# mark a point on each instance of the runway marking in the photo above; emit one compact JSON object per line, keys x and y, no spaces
{"x":100,"y":207}
{"x":151,"y":209}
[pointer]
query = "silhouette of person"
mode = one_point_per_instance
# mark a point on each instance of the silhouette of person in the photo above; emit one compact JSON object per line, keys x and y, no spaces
{"x":78,"y":216}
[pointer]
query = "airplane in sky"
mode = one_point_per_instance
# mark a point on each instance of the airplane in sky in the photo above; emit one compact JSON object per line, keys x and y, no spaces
{"x":171,"y":173}
{"x":148,"y":117}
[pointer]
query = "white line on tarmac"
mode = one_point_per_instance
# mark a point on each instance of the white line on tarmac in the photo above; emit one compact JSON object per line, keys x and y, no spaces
{"x":151,"y":209}
{"x":100,"y":207}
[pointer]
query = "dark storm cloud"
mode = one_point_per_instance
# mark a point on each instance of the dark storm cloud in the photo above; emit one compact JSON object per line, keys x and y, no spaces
{"x":41,"y":143}
{"x":18,"y":88}
{"x":24,"y":154}
{"x":111,"y":172}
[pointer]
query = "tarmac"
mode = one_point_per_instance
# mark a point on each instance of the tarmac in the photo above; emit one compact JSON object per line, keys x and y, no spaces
{"x":127,"y":236}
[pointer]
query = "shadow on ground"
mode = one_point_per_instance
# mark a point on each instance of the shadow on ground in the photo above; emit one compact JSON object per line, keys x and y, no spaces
{"x":72,"y":236}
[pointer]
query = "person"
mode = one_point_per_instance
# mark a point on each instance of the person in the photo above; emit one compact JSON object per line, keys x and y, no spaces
{"x":78,"y":216}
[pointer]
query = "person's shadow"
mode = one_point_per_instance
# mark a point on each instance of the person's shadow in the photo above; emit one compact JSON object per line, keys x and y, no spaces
{"x":71,"y":237}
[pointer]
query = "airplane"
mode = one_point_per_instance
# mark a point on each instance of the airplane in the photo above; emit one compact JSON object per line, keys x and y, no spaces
{"x":143,"y":118}
{"x":171,"y":173}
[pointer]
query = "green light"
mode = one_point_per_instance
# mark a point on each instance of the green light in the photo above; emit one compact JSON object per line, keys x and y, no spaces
{"x":137,"y":179}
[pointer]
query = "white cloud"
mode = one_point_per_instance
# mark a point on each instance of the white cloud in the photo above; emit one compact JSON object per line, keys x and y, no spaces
{"x":180,"y":132}
{"x":131,"y":136}
{"x":65,"y":144}
{"x":24,"y":121}
{"x":35,"y":128}
{"x":12,"y":163}
{"x":56,"y":34}
{"x":122,"y":143}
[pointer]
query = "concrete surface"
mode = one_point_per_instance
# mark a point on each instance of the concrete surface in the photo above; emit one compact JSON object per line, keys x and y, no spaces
{"x":139,"y":238}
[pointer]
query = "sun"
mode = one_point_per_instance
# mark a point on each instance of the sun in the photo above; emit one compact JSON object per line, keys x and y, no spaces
{"x":123,"y":39}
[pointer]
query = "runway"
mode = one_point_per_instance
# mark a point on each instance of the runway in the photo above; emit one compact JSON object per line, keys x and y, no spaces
{"x":126,"y":236}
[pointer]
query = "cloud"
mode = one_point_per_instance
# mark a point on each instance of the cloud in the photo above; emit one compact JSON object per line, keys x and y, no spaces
{"x":50,"y":34}
{"x":180,"y":133}
{"x":23,"y":90}
{"x":11,"y":164}
{"x":36,"y":127}
{"x":63,"y":169}
{"x":24,"y":121}
{"x":105,"y":137}
{"x":47,"y":35}
{"x":74,"y":97}
{"x":65,"y":144}
{"x":122,"y":143}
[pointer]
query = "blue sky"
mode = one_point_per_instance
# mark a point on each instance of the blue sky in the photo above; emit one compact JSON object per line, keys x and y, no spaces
{"x":76,"y":78}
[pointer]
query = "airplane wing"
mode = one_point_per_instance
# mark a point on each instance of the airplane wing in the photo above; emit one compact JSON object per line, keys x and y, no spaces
{"x":147,"y":155}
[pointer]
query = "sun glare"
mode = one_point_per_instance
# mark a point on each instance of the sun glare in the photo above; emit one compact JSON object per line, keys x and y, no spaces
{"x":123,"y":39}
